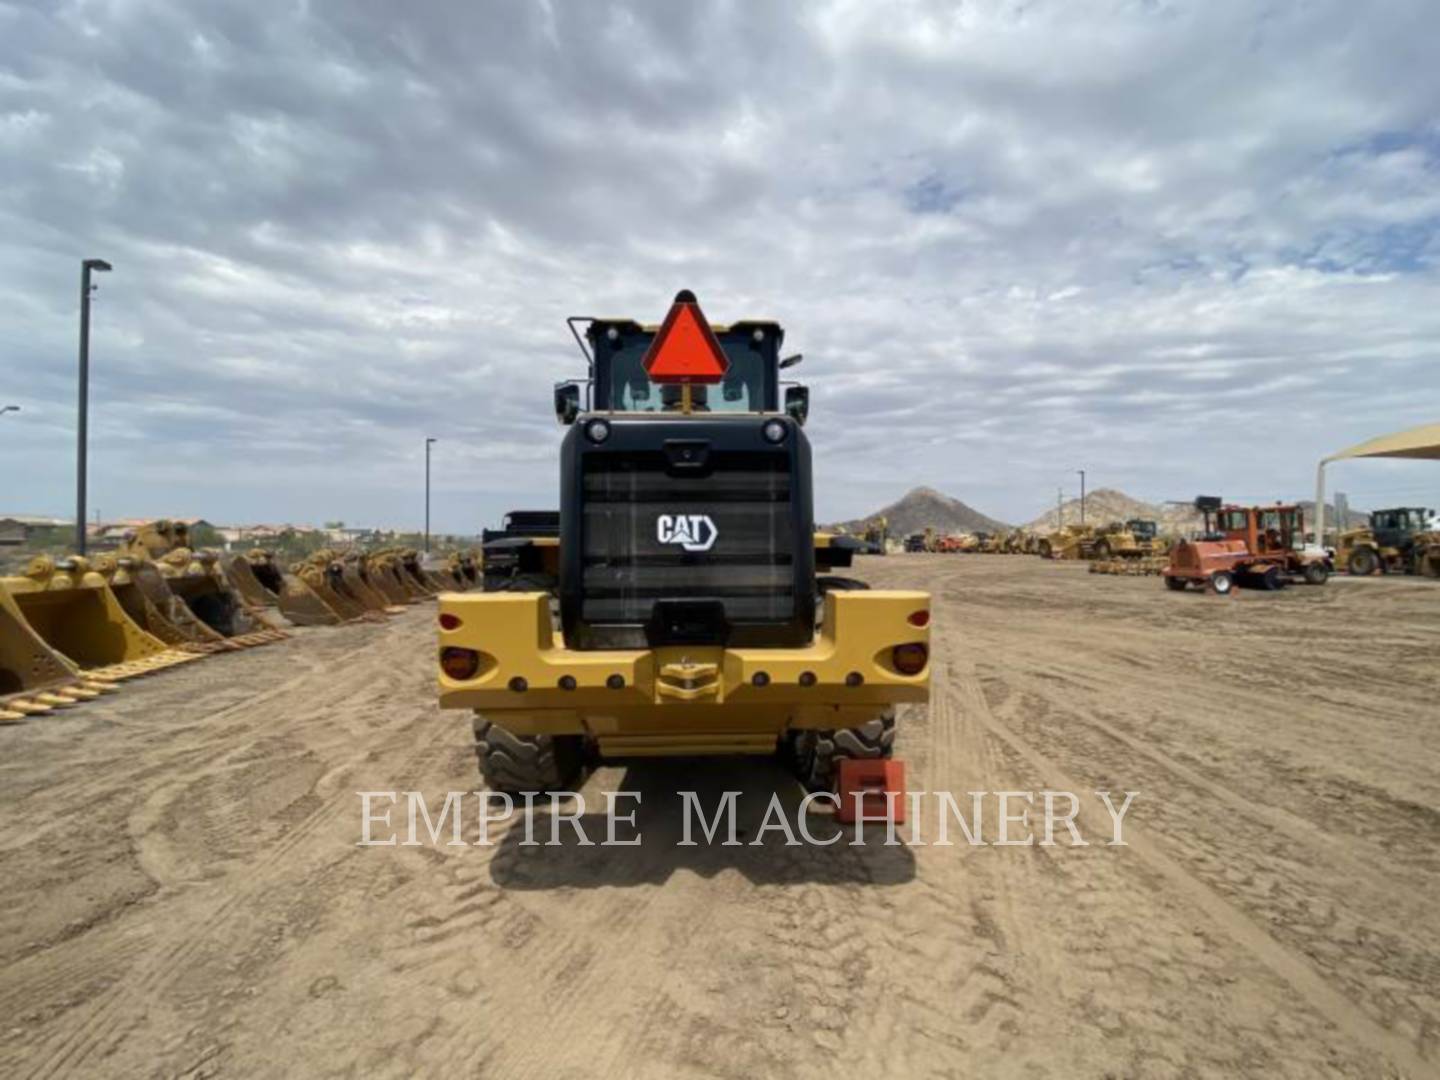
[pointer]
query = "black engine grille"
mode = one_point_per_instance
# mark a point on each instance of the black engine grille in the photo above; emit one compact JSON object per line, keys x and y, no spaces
{"x":626,"y":568}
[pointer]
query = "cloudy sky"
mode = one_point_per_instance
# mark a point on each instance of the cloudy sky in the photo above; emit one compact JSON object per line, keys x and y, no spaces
{"x":1189,"y":247}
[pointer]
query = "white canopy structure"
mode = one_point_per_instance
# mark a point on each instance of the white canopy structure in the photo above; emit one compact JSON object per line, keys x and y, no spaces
{"x":1422,"y":442}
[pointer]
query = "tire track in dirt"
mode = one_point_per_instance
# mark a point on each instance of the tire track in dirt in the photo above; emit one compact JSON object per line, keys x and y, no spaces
{"x":124,"y":1004}
{"x":1295,"y":970}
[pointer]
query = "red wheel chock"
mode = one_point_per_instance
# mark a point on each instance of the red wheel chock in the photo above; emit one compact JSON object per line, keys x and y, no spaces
{"x":873,"y":786}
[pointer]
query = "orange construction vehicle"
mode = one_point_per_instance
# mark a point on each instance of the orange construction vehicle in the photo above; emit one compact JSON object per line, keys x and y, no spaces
{"x":1262,"y":546}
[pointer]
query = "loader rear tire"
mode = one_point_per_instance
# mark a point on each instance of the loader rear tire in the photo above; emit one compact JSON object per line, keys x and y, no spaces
{"x":1316,"y":574}
{"x":1363,"y":562}
{"x":816,"y":754}
{"x":519,"y":763}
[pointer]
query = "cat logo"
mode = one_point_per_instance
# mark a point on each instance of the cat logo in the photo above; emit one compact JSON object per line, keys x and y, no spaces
{"x":693,"y":532}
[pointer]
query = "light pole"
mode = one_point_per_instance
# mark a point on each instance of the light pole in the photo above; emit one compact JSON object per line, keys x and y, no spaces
{"x":429,"y":442}
{"x":86,"y":268}
{"x":1082,"y":497}
{"x":8,"y":408}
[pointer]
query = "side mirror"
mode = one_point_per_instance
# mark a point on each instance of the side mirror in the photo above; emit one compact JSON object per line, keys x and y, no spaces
{"x":797,"y":402}
{"x":567,"y":402}
{"x":791,"y":361}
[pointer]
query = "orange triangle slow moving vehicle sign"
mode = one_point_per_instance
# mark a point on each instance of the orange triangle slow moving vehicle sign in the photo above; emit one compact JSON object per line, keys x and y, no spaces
{"x":685,"y":349}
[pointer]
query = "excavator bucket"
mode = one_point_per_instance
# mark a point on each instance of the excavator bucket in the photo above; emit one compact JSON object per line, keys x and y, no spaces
{"x":34,"y":678}
{"x":199,"y":583}
{"x":326,"y":579}
{"x":195,"y":578}
{"x":393,"y":598}
{"x":71,"y":609}
{"x":297,"y":601}
{"x":406,"y":562}
{"x":357,"y":582}
{"x":142,"y":592}
{"x":242,"y":579}
{"x":382,"y":574}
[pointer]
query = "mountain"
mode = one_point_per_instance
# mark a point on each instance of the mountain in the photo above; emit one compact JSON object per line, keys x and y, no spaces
{"x":925,"y":508}
{"x":1106,"y":504}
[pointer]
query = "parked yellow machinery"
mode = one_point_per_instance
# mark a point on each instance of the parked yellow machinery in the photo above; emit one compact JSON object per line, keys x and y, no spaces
{"x":71,"y":608}
{"x":141,"y":590}
{"x":691,"y":618}
{"x":1069,"y":542}
{"x":196,"y":578}
{"x":34,"y":678}
{"x":1400,"y":540}
{"x":297,"y":601}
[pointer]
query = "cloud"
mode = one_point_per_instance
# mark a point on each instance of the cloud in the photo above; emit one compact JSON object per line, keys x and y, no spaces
{"x":1185,"y":247}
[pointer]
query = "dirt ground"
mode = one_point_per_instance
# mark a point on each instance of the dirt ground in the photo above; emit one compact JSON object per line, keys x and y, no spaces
{"x":183,"y":895}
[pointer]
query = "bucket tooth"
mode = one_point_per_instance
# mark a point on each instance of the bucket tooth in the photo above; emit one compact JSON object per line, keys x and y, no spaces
{"x":27,"y":707}
{"x":9,"y":716}
{"x":57,"y":701}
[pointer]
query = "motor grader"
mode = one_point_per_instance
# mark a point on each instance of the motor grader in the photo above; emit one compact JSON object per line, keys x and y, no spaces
{"x":1401,"y":540}
{"x":690,"y":616}
{"x":1263,"y":546}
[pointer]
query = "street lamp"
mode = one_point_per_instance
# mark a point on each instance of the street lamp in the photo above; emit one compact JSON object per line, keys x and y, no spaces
{"x":8,"y":408}
{"x":89,"y":266}
{"x":429,"y":442}
{"x":1082,"y":497}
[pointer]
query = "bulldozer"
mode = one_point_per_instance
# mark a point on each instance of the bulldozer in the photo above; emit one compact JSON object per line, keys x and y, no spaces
{"x":71,"y":609}
{"x":1132,"y":547}
{"x":690,"y":619}
{"x":1401,"y":540}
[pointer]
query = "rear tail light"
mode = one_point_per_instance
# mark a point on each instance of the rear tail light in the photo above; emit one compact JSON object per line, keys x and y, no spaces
{"x":448,"y":621}
{"x":910,"y":659}
{"x":459,"y":664}
{"x":919,"y":618}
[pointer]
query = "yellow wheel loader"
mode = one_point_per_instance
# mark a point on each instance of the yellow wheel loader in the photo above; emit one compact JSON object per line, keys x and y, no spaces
{"x":689,"y":615}
{"x":1401,"y":540}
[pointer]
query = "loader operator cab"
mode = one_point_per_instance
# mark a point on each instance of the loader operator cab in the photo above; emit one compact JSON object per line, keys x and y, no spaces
{"x":1395,"y":528}
{"x":685,"y":487}
{"x":1141,"y":529}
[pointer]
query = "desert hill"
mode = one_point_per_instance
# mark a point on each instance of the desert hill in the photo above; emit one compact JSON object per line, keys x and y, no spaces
{"x":925,"y":508}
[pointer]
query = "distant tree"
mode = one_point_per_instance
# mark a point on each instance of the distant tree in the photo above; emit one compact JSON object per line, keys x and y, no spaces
{"x":205,"y":536}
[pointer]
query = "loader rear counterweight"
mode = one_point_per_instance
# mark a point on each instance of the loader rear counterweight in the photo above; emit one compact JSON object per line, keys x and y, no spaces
{"x":688,"y":616}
